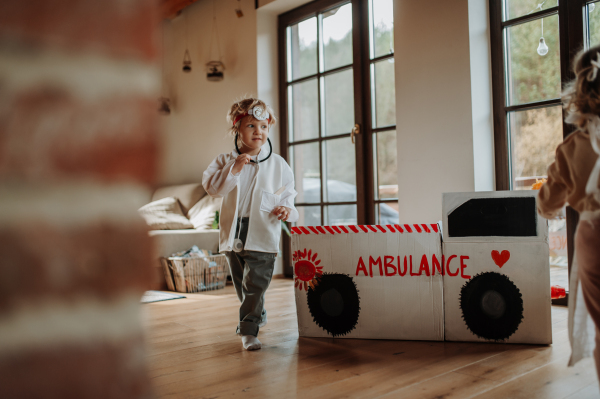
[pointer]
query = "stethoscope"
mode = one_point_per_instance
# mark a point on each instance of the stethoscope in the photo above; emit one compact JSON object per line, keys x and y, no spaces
{"x":251,"y":160}
{"x":238,"y":245}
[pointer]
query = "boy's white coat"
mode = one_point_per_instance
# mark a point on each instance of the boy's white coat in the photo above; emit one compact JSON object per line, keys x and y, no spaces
{"x":264,"y":229}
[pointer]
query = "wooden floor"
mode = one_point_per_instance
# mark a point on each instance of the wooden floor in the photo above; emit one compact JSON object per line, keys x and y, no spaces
{"x":193,"y":352}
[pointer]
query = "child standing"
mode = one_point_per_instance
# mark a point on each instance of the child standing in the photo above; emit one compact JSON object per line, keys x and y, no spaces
{"x":258,"y":192}
{"x":574,"y":178}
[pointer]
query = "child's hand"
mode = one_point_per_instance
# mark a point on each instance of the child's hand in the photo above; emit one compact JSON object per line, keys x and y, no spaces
{"x":281,"y":212}
{"x":240,"y":161}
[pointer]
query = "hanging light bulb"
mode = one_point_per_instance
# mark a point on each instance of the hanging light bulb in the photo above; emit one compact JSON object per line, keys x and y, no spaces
{"x":542,"y":48}
{"x":591,"y":7}
{"x":187,"y":62}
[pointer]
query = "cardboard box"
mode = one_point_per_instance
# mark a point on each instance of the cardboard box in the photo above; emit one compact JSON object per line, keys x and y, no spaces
{"x":498,"y":245}
{"x":348,"y":285}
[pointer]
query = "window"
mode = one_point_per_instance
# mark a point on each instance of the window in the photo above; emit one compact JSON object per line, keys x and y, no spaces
{"x":532,"y":43}
{"x":339,"y":130}
{"x":383,"y":110}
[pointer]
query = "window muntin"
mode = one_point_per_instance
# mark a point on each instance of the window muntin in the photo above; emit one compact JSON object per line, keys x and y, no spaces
{"x":520,"y":8}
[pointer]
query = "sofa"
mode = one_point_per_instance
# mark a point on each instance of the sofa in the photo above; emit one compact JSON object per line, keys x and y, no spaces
{"x":169,"y":241}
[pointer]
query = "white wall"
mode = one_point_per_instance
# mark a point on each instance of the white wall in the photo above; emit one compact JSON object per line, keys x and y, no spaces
{"x":195,"y":131}
{"x":435,"y":121}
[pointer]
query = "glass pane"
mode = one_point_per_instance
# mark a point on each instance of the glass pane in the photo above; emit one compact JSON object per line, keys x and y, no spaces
{"x":557,"y":232}
{"x":309,"y":216}
{"x":338,"y":100}
{"x":302,"y":49}
{"x":382,"y":27}
{"x":518,"y":8}
{"x":386,"y":167}
{"x":535,"y":134}
{"x":341,"y":214}
{"x":593,"y":14}
{"x":307,"y":172}
{"x":304,"y":110}
{"x":387,"y":213}
{"x":337,"y":37}
{"x":340,"y":170}
{"x":531,"y":76}
{"x":383,"y":93}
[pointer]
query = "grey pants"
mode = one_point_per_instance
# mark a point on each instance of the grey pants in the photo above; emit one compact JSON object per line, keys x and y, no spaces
{"x":251,"y":272}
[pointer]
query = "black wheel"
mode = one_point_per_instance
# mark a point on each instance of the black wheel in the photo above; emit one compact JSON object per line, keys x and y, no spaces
{"x":334,"y":303}
{"x":492,"y":306}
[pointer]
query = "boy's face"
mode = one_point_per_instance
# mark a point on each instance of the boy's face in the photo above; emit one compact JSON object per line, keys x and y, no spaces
{"x":253,"y":133}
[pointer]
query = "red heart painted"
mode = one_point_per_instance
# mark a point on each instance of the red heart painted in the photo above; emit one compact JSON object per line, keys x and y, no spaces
{"x":500,"y":258}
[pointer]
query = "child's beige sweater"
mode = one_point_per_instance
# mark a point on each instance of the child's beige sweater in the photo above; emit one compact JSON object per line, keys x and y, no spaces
{"x":568,"y":176}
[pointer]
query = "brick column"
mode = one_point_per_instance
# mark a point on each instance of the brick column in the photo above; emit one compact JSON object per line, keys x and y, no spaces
{"x":78,"y":150}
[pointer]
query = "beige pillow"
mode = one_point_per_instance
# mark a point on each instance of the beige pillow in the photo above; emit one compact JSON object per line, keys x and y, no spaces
{"x":202,"y":215}
{"x":165,"y":214}
{"x":187,"y":194}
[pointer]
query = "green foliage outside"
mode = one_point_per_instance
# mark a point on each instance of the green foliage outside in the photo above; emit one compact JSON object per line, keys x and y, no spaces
{"x":535,"y":134}
{"x":338,"y":103}
{"x":594,"y":24}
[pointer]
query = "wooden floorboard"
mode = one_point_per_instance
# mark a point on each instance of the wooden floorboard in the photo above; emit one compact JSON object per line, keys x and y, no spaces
{"x":193,"y":352}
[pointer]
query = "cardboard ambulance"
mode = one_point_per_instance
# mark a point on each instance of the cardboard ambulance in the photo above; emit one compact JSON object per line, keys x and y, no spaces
{"x":404,"y":282}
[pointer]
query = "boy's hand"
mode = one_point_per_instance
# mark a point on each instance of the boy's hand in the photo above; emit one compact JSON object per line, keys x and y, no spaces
{"x":240,"y":161}
{"x":282,"y":212}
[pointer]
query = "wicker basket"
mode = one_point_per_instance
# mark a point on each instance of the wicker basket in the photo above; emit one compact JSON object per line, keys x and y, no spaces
{"x":194,"y":274}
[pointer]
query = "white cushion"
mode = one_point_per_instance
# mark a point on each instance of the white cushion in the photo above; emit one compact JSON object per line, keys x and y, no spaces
{"x":202,"y":215}
{"x":165,"y":214}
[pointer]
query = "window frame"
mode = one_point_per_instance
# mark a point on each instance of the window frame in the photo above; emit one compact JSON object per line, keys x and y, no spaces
{"x":361,"y":64}
{"x":571,"y":40}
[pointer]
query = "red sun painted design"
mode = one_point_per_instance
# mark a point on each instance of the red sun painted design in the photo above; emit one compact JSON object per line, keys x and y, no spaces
{"x":306,"y":269}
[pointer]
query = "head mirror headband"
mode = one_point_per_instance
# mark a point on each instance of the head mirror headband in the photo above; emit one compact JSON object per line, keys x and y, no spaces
{"x":259,"y":114}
